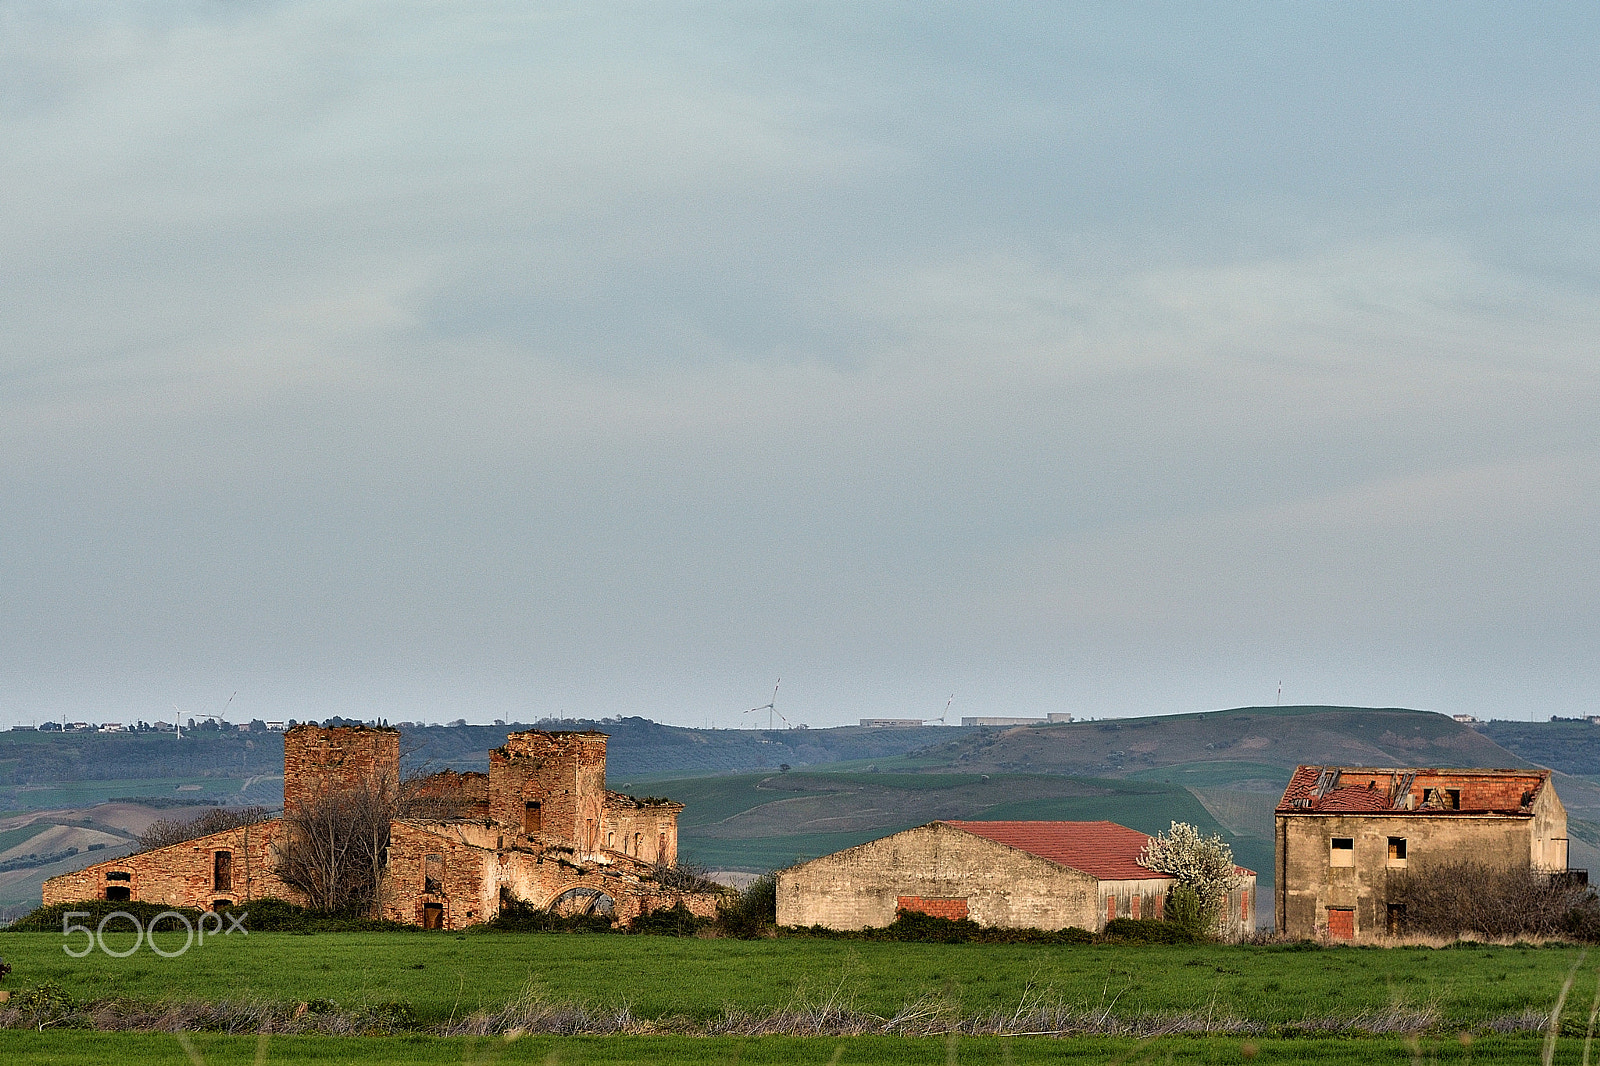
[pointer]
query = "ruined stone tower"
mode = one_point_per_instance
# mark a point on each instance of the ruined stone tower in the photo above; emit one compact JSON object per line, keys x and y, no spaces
{"x":318,"y":761}
{"x":550,"y":787}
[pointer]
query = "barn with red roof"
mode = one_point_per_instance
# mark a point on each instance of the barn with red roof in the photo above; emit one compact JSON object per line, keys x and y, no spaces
{"x":1041,"y":875}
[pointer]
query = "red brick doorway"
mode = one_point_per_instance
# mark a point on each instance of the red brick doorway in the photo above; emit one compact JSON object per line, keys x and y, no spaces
{"x":1341,"y":923}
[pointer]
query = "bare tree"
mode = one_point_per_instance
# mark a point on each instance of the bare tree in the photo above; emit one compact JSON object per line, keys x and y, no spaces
{"x":1469,"y":897}
{"x":334,"y":847}
{"x":165,"y":833}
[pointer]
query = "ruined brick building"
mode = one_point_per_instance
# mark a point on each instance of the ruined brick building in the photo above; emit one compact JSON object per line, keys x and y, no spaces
{"x":539,"y":827}
{"x":1347,"y":838}
{"x":1042,"y":875}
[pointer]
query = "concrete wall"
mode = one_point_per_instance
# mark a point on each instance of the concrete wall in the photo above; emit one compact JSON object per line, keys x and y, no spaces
{"x":1309,"y":883}
{"x":183,"y":875}
{"x":860,"y":887}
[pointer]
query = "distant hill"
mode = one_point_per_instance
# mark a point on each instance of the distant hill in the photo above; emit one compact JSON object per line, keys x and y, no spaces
{"x":1248,"y":747}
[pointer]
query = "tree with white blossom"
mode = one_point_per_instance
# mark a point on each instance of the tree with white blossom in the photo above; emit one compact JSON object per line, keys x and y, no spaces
{"x":1199,"y":863}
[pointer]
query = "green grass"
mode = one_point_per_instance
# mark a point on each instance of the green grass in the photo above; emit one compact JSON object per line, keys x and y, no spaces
{"x":157,"y":1049}
{"x":12,"y":837}
{"x":1213,"y":773}
{"x":88,"y":793}
{"x":441,"y":974}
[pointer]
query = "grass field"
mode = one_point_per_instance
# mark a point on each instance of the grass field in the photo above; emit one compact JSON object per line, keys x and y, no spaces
{"x":151,"y":1049}
{"x":440,"y":975}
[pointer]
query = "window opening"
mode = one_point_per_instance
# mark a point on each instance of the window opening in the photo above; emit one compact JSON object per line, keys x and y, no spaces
{"x":532,"y":818}
{"x":1342,"y":851}
{"x":1397,"y":850}
{"x":222,"y":871}
{"x":433,"y":874}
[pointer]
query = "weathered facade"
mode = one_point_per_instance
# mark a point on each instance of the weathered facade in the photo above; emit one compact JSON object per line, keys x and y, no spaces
{"x":1043,"y":875}
{"x":540,"y":827}
{"x":1346,"y":838}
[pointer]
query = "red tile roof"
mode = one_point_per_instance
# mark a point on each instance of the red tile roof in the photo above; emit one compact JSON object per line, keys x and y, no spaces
{"x":1360,"y":790}
{"x":1104,"y":850}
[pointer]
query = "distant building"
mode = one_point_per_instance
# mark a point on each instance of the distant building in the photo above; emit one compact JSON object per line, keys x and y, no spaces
{"x":1466,"y":719}
{"x":1347,"y":837}
{"x":113,"y":727}
{"x":891,"y":723}
{"x":1042,"y":875}
{"x":278,"y":727}
{"x":1001,"y":720}
{"x":17,"y":727}
{"x":1057,"y":717}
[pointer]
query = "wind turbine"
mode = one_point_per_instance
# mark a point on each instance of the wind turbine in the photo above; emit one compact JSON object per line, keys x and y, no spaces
{"x":947,"y":704}
{"x":771,"y":707}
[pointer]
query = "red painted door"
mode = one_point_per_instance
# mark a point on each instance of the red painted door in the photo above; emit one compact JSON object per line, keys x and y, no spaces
{"x":1341,"y":923}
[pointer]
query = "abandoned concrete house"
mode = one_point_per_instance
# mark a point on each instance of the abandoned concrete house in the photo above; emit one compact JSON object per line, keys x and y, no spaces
{"x":1346,"y":838}
{"x":539,"y":827}
{"x":1042,"y":875}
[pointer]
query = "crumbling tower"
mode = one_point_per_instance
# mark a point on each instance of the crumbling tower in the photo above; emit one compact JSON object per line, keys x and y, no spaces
{"x":550,"y":788}
{"x":317,"y":761}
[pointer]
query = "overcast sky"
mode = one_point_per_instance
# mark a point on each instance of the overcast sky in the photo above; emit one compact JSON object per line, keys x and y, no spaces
{"x":500,"y":360}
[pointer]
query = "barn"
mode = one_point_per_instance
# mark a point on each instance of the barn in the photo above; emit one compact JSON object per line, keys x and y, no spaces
{"x":1043,"y":875}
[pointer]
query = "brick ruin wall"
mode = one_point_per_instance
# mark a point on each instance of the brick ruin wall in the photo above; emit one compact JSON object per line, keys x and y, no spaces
{"x":318,"y":760}
{"x":565,"y":773}
{"x":184,"y":875}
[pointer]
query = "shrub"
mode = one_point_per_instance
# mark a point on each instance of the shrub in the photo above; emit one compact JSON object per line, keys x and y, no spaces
{"x":165,"y":833}
{"x":677,"y":920}
{"x":929,"y":929}
{"x":49,"y":919}
{"x":1203,"y":864}
{"x":749,"y":914}
{"x":520,"y":916}
{"x":1469,"y":897}
{"x":1150,"y":931}
{"x":272,"y":915}
{"x":1187,"y":911}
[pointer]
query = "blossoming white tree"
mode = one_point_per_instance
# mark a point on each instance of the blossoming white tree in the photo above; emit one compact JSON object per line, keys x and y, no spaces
{"x":1199,"y":863}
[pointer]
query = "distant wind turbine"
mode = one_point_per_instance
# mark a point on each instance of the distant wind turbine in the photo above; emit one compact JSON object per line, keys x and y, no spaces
{"x":947,"y":704}
{"x":771,"y":707}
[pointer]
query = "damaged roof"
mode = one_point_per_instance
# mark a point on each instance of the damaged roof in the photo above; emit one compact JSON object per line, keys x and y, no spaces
{"x":1411,"y":790}
{"x":1104,"y":850}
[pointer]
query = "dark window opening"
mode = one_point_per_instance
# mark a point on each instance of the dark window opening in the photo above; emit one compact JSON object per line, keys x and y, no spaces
{"x":222,"y":871}
{"x":119,"y":893}
{"x":218,"y":904}
{"x":119,"y":875}
{"x":1344,"y":844}
{"x":1452,"y":798}
{"x":532,"y":818}
{"x":1397,"y":848}
{"x":1396,"y":919}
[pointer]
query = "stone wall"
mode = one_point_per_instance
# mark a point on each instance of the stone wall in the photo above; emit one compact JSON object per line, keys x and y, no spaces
{"x":644,"y":831}
{"x":861,"y":887}
{"x":317,"y":760}
{"x":565,"y":774}
{"x":185,"y":875}
{"x":1309,"y":884}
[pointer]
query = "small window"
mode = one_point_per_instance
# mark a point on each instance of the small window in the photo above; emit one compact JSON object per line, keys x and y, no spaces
{"x":119,"y":875}
{"x":1397,"y":851}
{"x":1452,"y":799}
{"x":1342,"y":851}
{"x":222,"y":871}
{"x":532,"y":818}
{"x":119,"y":893}
{"x":433,"y":874}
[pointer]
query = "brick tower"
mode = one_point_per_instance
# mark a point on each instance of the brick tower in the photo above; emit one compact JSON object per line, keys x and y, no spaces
{"x":318,"y":760}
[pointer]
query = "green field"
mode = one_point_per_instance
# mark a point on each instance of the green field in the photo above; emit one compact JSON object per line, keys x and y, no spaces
{"x":88,"y":793}
{"x":685,"y":999}
{"x":440,"y":975}
{"x":152,"y":1049}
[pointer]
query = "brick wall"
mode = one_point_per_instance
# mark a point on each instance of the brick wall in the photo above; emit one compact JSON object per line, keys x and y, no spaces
{"x":182,"y":875}
{"x":565,"y":773}
{"x":317,"y":760}
{"x":938,"y":908}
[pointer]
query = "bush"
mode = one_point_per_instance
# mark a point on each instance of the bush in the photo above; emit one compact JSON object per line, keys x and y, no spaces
{"x":1149,"y":931}
{"x":676,"y":920}
{"x":272,"y":915}
{"x":49,"y":919}
{"x":928,"y":929}
{"x":1469,"y":897}
{"x":520,"y":916}
{"x":751,"y":913}
{"x":1185,"y":910}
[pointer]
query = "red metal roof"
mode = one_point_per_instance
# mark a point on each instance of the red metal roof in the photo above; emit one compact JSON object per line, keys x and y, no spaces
{"x":1360,"y":790}
{"x":1102,"y":849}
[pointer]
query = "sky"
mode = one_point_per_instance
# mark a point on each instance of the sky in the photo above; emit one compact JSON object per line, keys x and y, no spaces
{"x":510,"y":360}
